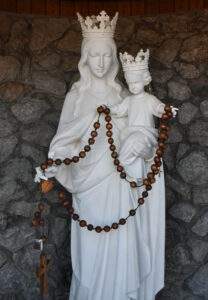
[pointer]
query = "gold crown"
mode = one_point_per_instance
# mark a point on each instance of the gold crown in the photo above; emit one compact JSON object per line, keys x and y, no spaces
{"x":140,"y":62}
{"x":98,"y":26}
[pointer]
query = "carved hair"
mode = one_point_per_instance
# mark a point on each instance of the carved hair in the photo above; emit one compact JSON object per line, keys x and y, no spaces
{"x":85,"y":75}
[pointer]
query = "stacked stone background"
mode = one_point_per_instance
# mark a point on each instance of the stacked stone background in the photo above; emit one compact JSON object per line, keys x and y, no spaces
{"x":38,"y":64}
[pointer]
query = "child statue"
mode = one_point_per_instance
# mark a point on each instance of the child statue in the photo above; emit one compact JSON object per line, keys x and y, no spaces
{"x":140,"y":108}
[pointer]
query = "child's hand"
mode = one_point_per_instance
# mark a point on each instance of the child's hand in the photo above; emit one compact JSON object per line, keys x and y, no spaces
{"x":174,"y":111}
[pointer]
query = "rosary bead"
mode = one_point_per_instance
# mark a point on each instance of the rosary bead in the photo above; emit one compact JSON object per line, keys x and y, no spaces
{"x":34,"y":222}
{"x":150,"y":175}
{"x":159,"y":152}
{"x":87,"y":148}
{"x":37,"y":214}
{"x":116,"y":162}
{"x":123,"y":175}
{"x":67,"y":161}
{"x":108,"y":118}
{"x":66,"y":204}
{"x":170,"y":115}
{"x":75,"y":159}
{"x":145,"y":181}
{"x":133,"y":184}
{"x":106,"y":228}
{"x":120,"y":168}
{"x":158,"y":164}
{"x":58,"y":162}
{"x":71,"y":210}
{"x":109,"y":133}
{"x":156,"y":171}
{"x":112,"y":147}
{"x":168,"y":108}
{"x":122,"y":221}
{"x":148,"y":187}
{"x":161,"y":146}
{"x":98,"y":229}
{"x":114,"y":154}
{"x":50,"y":162}
{"x":110,"y":140}
{"x":94,"y":133}
{"x":107,"y":111}
{"x":163,"y":136}
{"x":61,"y":195}
{"x":153,"y":168}
{"x":164,"y":126}
{"x":96,"y":125}
{"x":109,"y":126}
{"x":43,"y":166}
{"x":132,"y":212}
{"x":100,"y":109}
{"x":157,"y":159}
{"x":82,"y":154}
{"x":152,"y":180}
{"x":91,"y":141}
{"x":90,"y":227}
{"x":144,"y":194}
{"x":165,"y":117}
{"x":82,"y":223}
{"x":114,"y":225}
{"x":75,"y":217}
{"x":41,"y":222}
{"x":41,"y":206}
{"x":141,"y":201}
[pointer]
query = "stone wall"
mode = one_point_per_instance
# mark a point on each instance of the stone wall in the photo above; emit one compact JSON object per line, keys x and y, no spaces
{"x":38,"y":63}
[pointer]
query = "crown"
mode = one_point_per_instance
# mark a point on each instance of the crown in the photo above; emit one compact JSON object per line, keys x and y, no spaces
{"x":140,"y":62}
{"x":98,"y":26}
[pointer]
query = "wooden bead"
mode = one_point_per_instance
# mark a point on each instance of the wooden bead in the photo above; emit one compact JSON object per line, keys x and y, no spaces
{"x":43,"y":166}
{"x":170,"y":115}
{"x":58,"y":162}
{"x":98,"y":229}
{"x":37,"y":214}
{"x":152,"y":180}
{"x":163,"y":136}
{"x":116,"y":162}
{"x":156,"y":171}
{"x":41,"y":222}
{"x":87,"y":148}
{"x":35,"y":222}
{"x":167,"y":108}
{"x":108,"y":118}
{"x":114,"y":154}
{"x":106,"y":228}
{"x":150,"y":175}
{"x":148,"y":187}
{"x":132,"y":212}
{"x":82,"y":154}
{"x":82,"y":223}
{"x":122,"y":221}
{"x":164,"y":126}
{"x":107,"y":111}
{"x":110,"y":140}
{"x":75,"y":217}
{"x":114,"y":225}
{"x":157,"y":159}
{"x":144,"y":194}
{"x":112,"y":147}
{"x":41,"y":206}
{"x":133,"y":184}
{"x":159,"y":152}
{"x":70,"y":210}
{"x":141,"y":201}
{"x":165,"y":117}
{"x":94,"y":133}
{"x":100,"y":109}
{"x":46,"y":185}
{"x":90,"y":227}
{"x":75,"y":159}
{"x":67,"y":161}
{"x":123,"y":175}
{"x":96,"y":125}
{"x":145,"y":181}
{"x":120,"y":168}
{"x":161,"y":146}
{"x":153,"y":168}
{"x":109,"y":126}
{"x":61,"y":195}
{"x":91,"y":141}
{"x":66,"y":204}
{"x":50,"y":162}
{"x":109,"y":133}
{"x":158,"y":164}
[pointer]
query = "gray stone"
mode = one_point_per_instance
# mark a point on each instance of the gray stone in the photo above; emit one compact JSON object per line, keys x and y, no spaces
{"x":41,"y":136}
{"x":47,"y":60}
{"x":49,"y":83}
{"x":175,"y":135}
{"x":183,"y":211}
{"x":27,"y":259}
{"x":20,"y":35}
{"x":178,"y":91}
{"x":59,"y":232}
{"x":125,"y":29}
{"x":16,"y":237}
{"x":201,"y":226}
{"x":10,"y":68}
{"x":22,"y":208}
{"x":199,"y":86}
{"x":194,"y":168}
{"x":8,"y":188}
{"x":200,"y":196}
{"x":178,"y":186}
{"x":11,"y":91}
{"x":182,"y":149}
{"x":36,"y":155}
{"x":29,"y":110}
{"x":169,"y":158}
{"x":199,"y":249}
{"x":6,"y":23}
{"x":8,"y":124}
{"x":45,"y":32}
{"x":159,"y":92}
{"x":69,"y":62}
{"x":11,"y":279}
{"x":204,"y":108}
{"x":197,"y":283}
{"x":7,"y":146}
{"x":168,"y":51}
{"x":69,"y":42}
{"x":187,"y":71}
{"x":194,"y":49}
{"x":148,"y":36}
{"x":198,"y":133}
{"x":187,"y":112}
{"x":3,"y":221}
{"x":161,"y":76}
{"x":3,"y":258}
{"x":181,"y":255}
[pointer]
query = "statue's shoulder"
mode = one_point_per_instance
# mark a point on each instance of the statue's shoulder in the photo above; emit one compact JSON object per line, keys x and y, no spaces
{"x":72,"y":94}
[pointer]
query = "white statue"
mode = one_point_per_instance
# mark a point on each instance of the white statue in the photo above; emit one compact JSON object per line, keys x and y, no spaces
{"x":128,"y":262}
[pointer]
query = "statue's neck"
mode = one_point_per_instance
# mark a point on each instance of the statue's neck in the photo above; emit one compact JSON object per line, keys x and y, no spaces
{"x":99,"y":85}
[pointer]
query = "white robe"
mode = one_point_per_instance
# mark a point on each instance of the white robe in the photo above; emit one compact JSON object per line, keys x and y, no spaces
{"x":124,"y":264}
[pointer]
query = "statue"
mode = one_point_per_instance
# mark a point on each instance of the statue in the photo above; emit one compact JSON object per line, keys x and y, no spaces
{"x":114,"y":257}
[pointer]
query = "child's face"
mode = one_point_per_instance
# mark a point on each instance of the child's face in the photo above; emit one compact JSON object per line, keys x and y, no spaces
{"x":135,"y":81}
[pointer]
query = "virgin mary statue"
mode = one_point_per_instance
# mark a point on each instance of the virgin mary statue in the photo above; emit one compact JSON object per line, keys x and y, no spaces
{"x":122,"y":264}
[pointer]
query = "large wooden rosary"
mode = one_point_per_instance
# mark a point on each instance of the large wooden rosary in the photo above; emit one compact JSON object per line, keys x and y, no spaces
{"x":147,"y":182}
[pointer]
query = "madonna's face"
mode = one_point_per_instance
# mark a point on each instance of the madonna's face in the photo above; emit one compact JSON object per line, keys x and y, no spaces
{"x":99,"y":58}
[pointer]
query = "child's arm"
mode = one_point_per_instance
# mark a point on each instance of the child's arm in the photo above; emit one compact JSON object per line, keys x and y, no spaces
{"x":121,"y":109}
{"x":157,"y":107}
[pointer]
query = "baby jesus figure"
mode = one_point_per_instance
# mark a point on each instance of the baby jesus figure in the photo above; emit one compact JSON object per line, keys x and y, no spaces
{"x":140,"y":108}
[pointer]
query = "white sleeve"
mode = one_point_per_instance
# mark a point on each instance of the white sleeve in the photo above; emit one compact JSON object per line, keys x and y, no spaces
{"x":156,"y":106}
{"x":121,"y":109}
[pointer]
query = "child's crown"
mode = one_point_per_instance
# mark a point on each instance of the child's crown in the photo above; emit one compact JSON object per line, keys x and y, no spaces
{"x":140,"y":62}
{"x":98,"y":26}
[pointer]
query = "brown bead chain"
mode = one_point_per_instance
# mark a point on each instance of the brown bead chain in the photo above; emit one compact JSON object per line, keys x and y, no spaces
{"x":147,"y":182}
